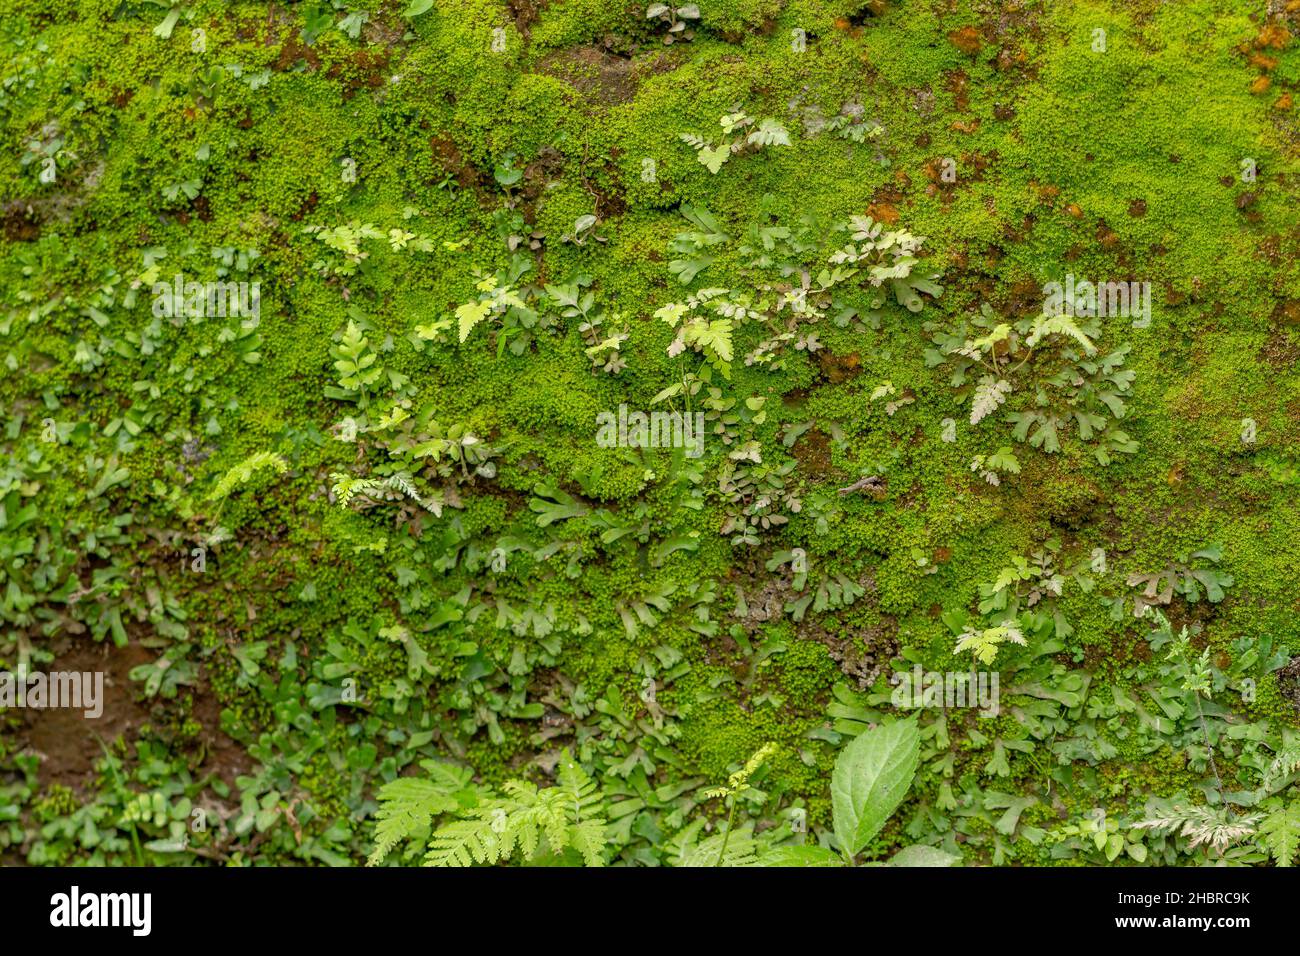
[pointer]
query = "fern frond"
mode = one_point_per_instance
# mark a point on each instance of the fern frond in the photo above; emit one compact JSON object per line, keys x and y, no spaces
{"x":346,"y":487}
{"x":989,"y":394}
{"x":402,"y":482}
{"x":243,"y":472}
{"x":1215,"y":828}
{"x":407,"y":806}
{"x":588,"y":838}
{"x":684,"y":841}
{"x":584,"y":798}
{"x":1280,"y":831}
{"x":1285,"y":763}
{"x":1059,"y":325}
{"x":464,"y":843}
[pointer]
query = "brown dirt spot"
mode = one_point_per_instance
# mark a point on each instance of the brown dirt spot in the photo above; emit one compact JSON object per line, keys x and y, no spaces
{"x":467,"y":175}
{"x":365,"y":69}
{"x":1288,"y":682}
{"x":65,"y":739}
{"x":839,"y":368}
{"x":1281,"y":350}
{"x":222,"y":754}
{"x":68,"y":742}
{"x":1287,"y":312}
{"x":293,"y":50}
{"x":20,"y":222}
{"x":605,"y":75}
{"x":524,"y":13}
{"x":813,"y":452}
{"x":600,"y":76}
{"x":956,"y":82}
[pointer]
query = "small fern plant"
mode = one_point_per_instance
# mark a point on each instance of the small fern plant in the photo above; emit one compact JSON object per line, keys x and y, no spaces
{"x":243,"y":473}
{"x":560,"y":825}
{"x":1280,"y":834}
{"x":713,"y":851}
{"x":741,"y":135}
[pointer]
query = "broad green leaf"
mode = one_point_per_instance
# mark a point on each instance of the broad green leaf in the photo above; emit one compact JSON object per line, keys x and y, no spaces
{"x":799,"y":856}
{"x":917,"y":855}
{"x":871,"y":777}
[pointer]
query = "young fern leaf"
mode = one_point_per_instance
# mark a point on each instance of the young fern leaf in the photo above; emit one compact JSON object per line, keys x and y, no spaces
{"x":242,"y":473}
{"x":588,"y":838}
{"x":1059,"y":325}
{"x":989,"y":394}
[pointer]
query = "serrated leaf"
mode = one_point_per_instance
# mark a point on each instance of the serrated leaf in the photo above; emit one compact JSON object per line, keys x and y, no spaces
{"x":871,"y":777}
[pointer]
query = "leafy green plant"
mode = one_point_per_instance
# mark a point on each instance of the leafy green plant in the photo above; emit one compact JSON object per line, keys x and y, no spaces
{"x":696,"y":330}
{"x":538,"y":824}
{"x":872,"y":776}
{"x":1186,"y":575}
{"x":886,"y":258}
{"x":742,"y":134}
{"x":675,"y":18}
{"x":1054,"y":363}
{"x":736,"y":784}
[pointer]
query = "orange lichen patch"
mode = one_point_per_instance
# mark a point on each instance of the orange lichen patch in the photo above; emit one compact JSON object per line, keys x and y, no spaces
{"x":1261,"y":84}
{"x":883,"y":212}
{"x":967,"y":39}
{"x":1283,"y":102}
{"x":968,"y":126}
{"x":845,"y":25}
{"x":1047,"y":193}
{"x":1074,"y":211}
{"x":1275,"y":35}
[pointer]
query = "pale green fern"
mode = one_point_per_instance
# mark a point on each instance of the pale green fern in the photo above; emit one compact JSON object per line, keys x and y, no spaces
{"x":243,"y":473}
{"x":526,"y":820}
{"x":408,"y":805}
{"x":1280,"y":833}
